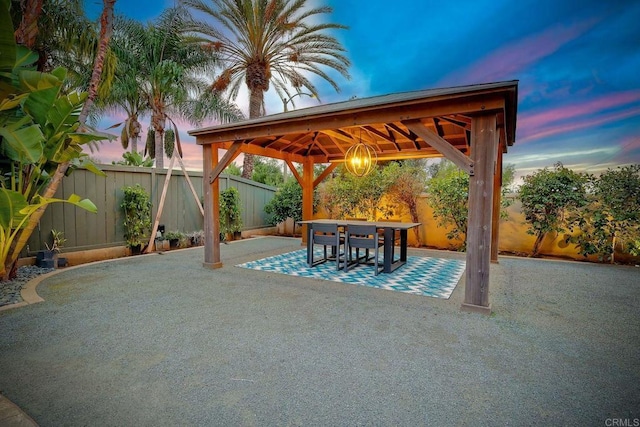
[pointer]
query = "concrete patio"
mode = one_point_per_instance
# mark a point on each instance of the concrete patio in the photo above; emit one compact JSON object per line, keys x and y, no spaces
{"x":160,"y":340}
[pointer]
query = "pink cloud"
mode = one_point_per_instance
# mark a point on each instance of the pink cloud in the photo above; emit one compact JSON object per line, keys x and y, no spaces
{"x":529,"y":123}
{"x":511,"y":59}
{"x":576,"y":125}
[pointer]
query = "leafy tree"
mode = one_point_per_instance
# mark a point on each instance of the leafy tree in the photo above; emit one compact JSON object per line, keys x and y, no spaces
{"x":286,"y":203}
{"x":612,"y":215}
{"x":136,"y":204}
{"x":346,"y":195}
{"x":267,"y":171}
{"x":233,"y":169}
{"x":448,"y":197}
{"x":264,"y":42}
{"x":230,"y":212}
{"x":409,"y":183}
{"x":547,"y":196}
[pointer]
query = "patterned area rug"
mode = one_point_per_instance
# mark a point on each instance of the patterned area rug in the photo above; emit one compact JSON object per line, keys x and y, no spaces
{"x":434,"y":277}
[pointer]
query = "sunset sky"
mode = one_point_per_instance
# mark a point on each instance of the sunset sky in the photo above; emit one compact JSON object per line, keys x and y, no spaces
{"x":577,"y":62}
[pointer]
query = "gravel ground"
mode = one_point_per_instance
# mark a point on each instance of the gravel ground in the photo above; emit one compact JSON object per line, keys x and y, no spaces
{"x":10,"y":291}
{"x":159,"y":340}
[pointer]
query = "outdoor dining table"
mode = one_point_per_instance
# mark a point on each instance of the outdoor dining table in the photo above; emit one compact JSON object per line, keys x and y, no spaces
{"x":388,"y":228}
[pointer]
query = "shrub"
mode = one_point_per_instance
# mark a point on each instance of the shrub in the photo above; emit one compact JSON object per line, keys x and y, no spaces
{"x":137,"y":215}
{"x":230,"y":212}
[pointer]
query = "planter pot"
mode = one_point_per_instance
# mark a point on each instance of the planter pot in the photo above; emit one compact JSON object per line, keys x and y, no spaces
{"x":173,"y":243}
{"x":135,"y":250}
{"x":47,"y":259}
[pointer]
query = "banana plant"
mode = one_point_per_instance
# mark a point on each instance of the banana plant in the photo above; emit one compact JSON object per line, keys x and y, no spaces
{"x":39,"y":129}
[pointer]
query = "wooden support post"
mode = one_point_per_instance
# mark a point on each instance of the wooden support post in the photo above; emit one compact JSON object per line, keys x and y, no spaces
{"x":211,"y":209}
{"x":497,"y":196}
{"x":307,"y":194}
{"x":156,"y":223}
{"x":484,"y":139}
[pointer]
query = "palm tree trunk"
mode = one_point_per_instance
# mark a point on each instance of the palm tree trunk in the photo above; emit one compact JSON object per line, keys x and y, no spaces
{"x":106,"y":29}
{"x":256,"y":98}
{"x":158,"y":122}
{"x":27,"y":32}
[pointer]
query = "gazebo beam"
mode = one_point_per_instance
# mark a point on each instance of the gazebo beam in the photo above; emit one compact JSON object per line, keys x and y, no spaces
{"x":479,"y":229}
{"x":440,"y":144}
{"x":211,"y":210}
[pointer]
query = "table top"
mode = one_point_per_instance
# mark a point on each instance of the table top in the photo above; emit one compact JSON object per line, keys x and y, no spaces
{"x":380,"y":224}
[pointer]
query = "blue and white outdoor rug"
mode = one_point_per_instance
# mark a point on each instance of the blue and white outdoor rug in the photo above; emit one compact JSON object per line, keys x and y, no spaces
{"x":434,"y":277}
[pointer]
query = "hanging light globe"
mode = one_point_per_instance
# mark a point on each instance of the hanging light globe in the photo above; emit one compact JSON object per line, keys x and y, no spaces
{"x":360,"y":159}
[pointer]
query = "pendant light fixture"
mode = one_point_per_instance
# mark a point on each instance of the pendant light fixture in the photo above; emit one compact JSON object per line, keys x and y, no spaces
{"x":360,"y":158}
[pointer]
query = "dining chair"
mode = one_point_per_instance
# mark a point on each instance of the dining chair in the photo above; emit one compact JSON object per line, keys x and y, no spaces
{"x":363,"y":237}
{"x":328,"y":236}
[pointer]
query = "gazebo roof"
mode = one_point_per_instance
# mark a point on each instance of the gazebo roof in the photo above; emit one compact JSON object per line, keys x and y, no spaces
{"x":398,"y":126}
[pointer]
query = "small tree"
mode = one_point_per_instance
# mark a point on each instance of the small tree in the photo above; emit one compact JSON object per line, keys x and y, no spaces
{"x":409,"y":183}
{"x":448,"y":197}
{"x":267,"y":171}
{"x":546,"y":196}
{"x":286,"y":203}
{"x":346,"y":195}
{"x":612,"y":215}
{"x":230,"y":211}
{"x":137,"y":216}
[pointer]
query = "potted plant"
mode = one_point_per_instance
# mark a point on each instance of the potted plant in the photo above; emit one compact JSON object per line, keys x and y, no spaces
{"x":49,"y":258}
{"x":230,"y":213}
{"x":137,"y":217}
{"x":174,"y":238}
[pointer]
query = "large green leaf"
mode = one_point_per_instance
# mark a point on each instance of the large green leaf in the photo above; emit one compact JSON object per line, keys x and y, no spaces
{"x":74,"y":199}
{"x":44,"y":93}
{"x":23,"y":141}
{"x":11,"y":205}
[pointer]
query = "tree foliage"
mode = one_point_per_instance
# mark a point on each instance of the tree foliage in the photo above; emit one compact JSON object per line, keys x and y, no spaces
{"x":286,"y":203}
{"x":263,"y":43}
{"x":136,"y":205}
{"x":547,"y":196}
{"x":39,"y":125}
{"x":409,"y":183}
{"x":345,"y":195}
{"x":612,"y":214}
{"x":448,"y":197}
{"x":267,"y":171}
{"x":133,"y":158}
{"x":230,"y":211}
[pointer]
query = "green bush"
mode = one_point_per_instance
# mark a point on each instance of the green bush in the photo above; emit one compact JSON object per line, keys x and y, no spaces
{"x":230,"y":212}
{"x":286,"y":203}
{"x":137,"y":215}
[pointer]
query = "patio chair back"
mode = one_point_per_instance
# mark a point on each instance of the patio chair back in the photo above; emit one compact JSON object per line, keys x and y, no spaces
{"x":327,"y":235}
{"x":363,"y":237}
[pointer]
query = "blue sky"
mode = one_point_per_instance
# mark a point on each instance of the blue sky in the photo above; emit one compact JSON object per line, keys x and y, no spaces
{"x":578,"y":64}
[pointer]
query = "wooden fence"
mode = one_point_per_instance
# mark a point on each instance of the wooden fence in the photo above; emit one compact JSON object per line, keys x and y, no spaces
{"x":84,"y":230}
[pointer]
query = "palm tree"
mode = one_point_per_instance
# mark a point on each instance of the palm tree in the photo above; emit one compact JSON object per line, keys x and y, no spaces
{"x":168,"y":69}
{"x":269,"y":42}
{"x":125,"y":94}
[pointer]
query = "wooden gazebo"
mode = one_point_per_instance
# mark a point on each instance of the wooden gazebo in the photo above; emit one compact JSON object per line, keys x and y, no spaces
{"x":470,"y":125}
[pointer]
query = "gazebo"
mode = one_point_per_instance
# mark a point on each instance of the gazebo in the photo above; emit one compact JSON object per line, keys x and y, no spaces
{"x":470,"y":125}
